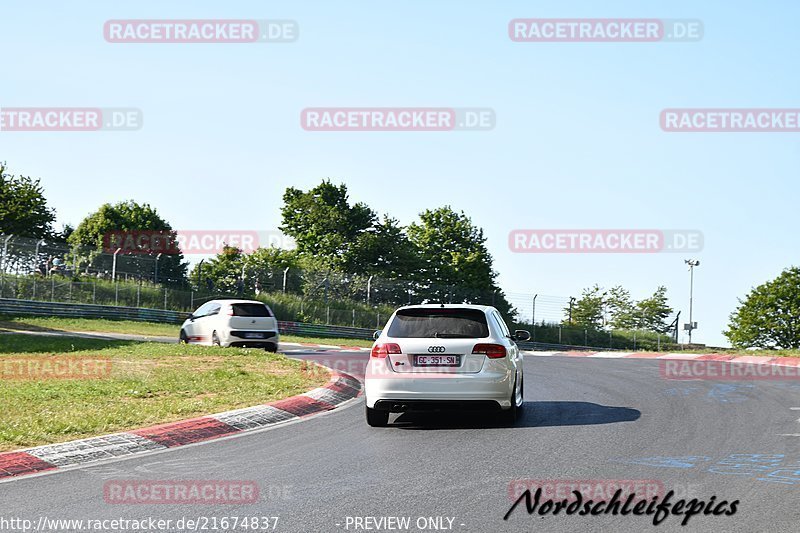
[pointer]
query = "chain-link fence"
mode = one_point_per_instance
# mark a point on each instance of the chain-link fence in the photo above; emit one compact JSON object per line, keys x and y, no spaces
{"x":23,"y":256}
{"x":56,"y":288}
{"x":47,"y":271}
{"x":54,"y":271}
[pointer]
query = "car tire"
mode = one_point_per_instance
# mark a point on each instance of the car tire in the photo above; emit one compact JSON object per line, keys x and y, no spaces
{"x":377,"y":418}
{"x":272,"y":348}
{"x":182,"y":338}
{"x":215,"y":339}
{"x":510,"y":415}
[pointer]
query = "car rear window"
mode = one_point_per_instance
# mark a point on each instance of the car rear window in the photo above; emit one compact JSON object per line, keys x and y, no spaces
{"x":250,"y":310}
{"x":439,"y":323}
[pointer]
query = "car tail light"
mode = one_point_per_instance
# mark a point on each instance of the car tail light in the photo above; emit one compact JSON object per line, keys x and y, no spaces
{"x":492,"y":351}
{"x":229,"y":311}
{"x":382,"y":350}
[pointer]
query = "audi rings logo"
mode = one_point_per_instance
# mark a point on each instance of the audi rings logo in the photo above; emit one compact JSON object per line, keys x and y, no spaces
{"x":436,"y":349}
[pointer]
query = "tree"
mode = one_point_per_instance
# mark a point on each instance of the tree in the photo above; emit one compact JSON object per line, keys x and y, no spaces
{"x":455,"y":263}
{"x":648,"y":314}
{"x":453,"y":250}
{"x":264,"y":268}
{"x":325,"y":225}
{"x":90,"y":242}
{"x":340,"y":246}
{"x":652,"y":312}
{"x":587,"y":311}
{"x":259,"y":271}
{"x":63,"y":235}
{"x":23,"y":207}
{"x":385,"y":250}
{"x":621,"y":309}
{"x":768,"y":317}
{"x":220,"y":274}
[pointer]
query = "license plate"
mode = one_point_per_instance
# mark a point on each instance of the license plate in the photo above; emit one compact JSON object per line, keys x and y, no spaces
{"x":253,"y":335}
{"x":437,"y":360}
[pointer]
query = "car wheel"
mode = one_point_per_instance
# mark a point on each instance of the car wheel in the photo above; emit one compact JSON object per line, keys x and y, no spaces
{"x":510,"y":414}
{"x":273,"y":348}
{"x":182,"y":338}
{"x":377,"y":418}
{"x":214,"y":339}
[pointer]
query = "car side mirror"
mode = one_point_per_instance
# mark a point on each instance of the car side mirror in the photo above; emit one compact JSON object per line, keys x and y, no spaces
{"x":521,"y":335}
{"x":377,"y":334}
{"x":191,"y":318}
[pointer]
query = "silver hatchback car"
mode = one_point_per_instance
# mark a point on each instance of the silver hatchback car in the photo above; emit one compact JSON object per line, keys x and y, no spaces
{"x":434,"y":357}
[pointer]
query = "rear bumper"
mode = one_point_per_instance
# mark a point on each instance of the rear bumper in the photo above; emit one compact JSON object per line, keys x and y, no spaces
{"x":269,"y":345}
{"x":404,"y":406}
{"x":482,"y":390}
{"x":237,"y":338}
{"x":239,"y":334}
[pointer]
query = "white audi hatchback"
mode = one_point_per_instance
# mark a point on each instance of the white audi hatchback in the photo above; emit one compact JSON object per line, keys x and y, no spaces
{"x":436,"y":357}
{"x":243,"y":323}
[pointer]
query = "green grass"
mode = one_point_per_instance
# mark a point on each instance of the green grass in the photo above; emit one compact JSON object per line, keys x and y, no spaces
{"x":98,"y":325}
{"x":171,"y":330}
{"x":146,"y":384}
{"x":27,"y":344}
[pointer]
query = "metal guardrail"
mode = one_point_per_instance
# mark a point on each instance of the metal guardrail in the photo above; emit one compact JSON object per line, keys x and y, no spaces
{"x":547,"y":346}
{"x":320,"y":330}
{"x":14,"y":307}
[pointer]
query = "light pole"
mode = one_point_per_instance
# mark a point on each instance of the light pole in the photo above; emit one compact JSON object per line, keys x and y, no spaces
{"x":5,"y":253}
{"x":36,"y":256}
{"x":692,"y":263}
{"x":369,"y":287}
{"x":114,"y":265}
{"x":155,"y":276}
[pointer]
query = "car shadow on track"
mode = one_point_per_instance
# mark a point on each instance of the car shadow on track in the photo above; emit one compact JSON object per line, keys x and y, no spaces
{"x":534,"y":414}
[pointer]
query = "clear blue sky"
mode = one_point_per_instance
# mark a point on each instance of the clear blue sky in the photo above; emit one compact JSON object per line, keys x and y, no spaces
{"x":577,"y":142}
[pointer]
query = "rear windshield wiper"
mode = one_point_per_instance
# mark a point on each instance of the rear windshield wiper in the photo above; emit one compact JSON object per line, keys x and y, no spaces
{"x":438,"y":335}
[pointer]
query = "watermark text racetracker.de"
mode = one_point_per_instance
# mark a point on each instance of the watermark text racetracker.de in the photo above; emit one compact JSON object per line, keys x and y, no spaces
{"x":70,"y":119}
{"x":724,"y":370}
{"x":192,"y":242}
{"x":55,"y":367}
{"x":200,"y":31}
{"x":597,"y":489}
{"x":730,"y":120}
{"x":149,"y":524}
{"x":396,"y":119}
{"x":212,"y":492}
{"x":603,"y":241}
{"x":605,"y":30}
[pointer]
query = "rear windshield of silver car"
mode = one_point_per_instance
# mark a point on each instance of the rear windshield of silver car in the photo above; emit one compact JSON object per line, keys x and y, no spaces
{"x":439,"y":324}
{"x":250,"y":310}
